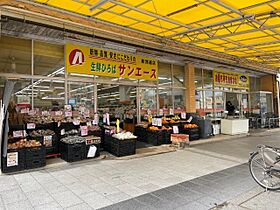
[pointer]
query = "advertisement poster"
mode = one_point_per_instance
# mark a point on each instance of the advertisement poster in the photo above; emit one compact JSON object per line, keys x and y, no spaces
{"x":101,"y":62}
{"x":231,"y":80}
{"x":12,"y":159}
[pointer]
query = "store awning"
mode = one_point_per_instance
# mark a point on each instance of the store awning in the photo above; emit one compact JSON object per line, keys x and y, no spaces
{"x":249,"y":29}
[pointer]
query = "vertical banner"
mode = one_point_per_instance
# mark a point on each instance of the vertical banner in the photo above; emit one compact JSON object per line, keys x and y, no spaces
{"x":101,"y":62}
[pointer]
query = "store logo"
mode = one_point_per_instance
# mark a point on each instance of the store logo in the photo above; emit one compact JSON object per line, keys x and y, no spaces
{"x":243,"y":78}
{"x":76,"y":57}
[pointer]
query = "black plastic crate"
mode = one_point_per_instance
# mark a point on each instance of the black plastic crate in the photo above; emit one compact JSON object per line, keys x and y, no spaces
{"x":124,"y":147}
{"x":156,"y":138}
{"x":141,"y":134}
{"x":20,"y":161}
{"x":167,"y":137}
{"x":35,"y":152}
{"x":35,"y":157}
{"x":72,"y":152}
{"x":97,"y":154}
{"x":95,"y":133}
{"x":193,"y":137}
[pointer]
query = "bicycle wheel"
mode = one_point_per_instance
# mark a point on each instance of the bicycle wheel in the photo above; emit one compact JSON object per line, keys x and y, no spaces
{"x":266,"y":178}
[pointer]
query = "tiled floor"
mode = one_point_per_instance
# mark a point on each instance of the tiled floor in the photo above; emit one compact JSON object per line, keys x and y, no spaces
{"x":97,"y":184}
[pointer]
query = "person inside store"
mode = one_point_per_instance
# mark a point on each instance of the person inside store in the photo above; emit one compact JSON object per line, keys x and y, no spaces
{"x":230,"y":108}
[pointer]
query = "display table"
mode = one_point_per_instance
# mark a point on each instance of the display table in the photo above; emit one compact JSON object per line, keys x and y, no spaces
{"x":234,"y":126}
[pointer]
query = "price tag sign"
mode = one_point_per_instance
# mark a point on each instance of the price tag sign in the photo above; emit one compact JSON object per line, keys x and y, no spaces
{"x":104,"y":118}
{"x":161,"y":112}
{"x":58,"y":113}
{"x":108,"y":118}
{"x":96,"y":119}
{"x":30,"y":126}
{"x":48,"y":141}
{"x":68,"y":114}
{"x":84,"y":130}
{"x":17,"y":134}
{"x":183,"y":115}
{"x":171,"y":111}
{"x":12,"y":159}
{"x":89,"y":123}
{"x":25,"y":111}
{"x":159,"y":122}
{"x":45,"y":113}
{"x":175,"y":129}
{"x":154,"y":122}
{"x":62,"y":132}
{"x":31,"y":112}
{"x":76,"y":122}
{"x":67,"y":108}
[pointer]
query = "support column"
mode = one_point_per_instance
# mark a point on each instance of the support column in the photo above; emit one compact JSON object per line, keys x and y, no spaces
{"x":269,"y":83}
{"x":190,"y":88}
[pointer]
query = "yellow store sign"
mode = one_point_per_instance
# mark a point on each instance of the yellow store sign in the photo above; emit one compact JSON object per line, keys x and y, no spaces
{"x":231,"y":80}
{"x":101,"y":62}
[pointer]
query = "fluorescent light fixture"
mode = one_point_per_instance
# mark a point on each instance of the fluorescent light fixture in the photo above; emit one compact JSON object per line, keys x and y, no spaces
{"x":82,"y":75}
{"x":119,"y":47}
{"x":52,"y":98}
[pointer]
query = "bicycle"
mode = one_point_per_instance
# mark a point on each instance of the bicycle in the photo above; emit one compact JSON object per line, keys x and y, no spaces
{"x":264,"y":165}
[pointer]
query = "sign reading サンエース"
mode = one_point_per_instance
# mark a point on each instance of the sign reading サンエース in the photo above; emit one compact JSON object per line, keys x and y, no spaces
{"x":102,"y":62}
{"x":231,"y":80}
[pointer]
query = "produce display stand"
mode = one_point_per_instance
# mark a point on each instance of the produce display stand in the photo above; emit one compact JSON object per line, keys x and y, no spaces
{"x":119,"y":147}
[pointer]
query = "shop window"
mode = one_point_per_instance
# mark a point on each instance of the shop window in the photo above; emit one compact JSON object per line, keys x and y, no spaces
{"x":15,"y":55}
{"x":179,"y":100}
{"x":118,"y":100}
{"x":164,"y":77}
{"x":148,"y":100}
{"x":209,"y":103}
{"x":165,"y":100}
{"x":219,"y":103}
{"x":199,"y":102}
{"x":49,"y":94}
{"x":178,"y":75}
{"x":208,"y":79}
{"x":81,"y":94}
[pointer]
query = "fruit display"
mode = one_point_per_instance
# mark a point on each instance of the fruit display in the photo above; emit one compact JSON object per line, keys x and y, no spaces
{"x":154,"y":128}
{"x":190,"y":126}
{"x":38,"y":133}
{"x":23,"y":143}
{"x":124,"y":135}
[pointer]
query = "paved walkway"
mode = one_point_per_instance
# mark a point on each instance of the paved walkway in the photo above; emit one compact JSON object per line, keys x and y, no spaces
{"x":103,"y":183}
{"x":201,"y":193}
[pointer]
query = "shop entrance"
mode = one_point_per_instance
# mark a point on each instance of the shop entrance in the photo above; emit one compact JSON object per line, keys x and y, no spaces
{"x":237,"y":103}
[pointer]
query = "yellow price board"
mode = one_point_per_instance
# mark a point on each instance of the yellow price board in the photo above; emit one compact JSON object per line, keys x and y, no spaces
{"x":102,"y":62}
{"x":231,"y":80}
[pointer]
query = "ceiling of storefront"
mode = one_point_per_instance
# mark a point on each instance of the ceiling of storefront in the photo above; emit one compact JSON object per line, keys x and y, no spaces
{"x":248,"y":29}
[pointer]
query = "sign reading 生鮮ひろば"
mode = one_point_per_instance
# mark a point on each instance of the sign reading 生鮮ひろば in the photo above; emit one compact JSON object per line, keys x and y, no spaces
{"x":231,"y":80}
{"x":102,"y":62}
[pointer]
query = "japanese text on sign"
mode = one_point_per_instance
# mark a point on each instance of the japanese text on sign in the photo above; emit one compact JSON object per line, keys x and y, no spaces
{"x":100,"y":62}
{"x":231,"y":80}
